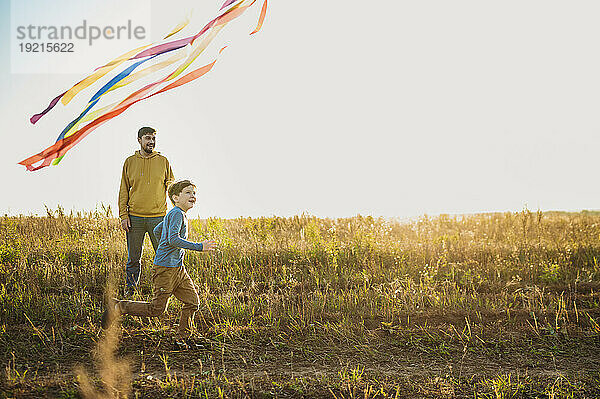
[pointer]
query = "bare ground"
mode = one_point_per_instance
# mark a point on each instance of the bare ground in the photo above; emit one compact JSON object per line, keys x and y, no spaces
{"x":426,"y":355}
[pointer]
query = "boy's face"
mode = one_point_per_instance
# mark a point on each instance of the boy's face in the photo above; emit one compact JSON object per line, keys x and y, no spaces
{"x":147,"y":142}
{"x":186,"y":198}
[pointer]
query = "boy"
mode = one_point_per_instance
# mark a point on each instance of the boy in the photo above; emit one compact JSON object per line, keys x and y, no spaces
{"x":169,"y":274}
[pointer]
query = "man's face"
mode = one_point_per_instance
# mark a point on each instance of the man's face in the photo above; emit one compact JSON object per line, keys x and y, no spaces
{"x":186,"y":198}
{"x":147,"y":142}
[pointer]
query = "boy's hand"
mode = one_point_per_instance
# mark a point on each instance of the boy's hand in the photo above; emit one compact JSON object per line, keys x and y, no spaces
{"x":208,"y":245}
{"x":126,"y":224}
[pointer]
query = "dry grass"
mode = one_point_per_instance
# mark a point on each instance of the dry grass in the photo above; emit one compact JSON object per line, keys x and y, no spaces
{"x":115,"y":374}
{"x":495,"y":304}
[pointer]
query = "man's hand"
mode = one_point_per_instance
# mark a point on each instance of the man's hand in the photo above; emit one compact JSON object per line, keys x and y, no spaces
{"x":209,"y":245}
{"x":126,"y":224}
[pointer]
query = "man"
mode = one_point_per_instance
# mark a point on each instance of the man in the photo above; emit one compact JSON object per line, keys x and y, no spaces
{"x":142,"y":200}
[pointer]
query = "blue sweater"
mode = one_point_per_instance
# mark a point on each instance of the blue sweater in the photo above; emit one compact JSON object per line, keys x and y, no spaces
{"x":172,"y":236}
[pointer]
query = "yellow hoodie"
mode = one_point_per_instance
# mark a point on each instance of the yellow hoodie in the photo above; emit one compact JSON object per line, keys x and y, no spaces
{"x":144,"y":184}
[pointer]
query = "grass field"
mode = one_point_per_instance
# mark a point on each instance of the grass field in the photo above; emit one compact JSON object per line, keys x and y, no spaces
{"x":489,"y":306}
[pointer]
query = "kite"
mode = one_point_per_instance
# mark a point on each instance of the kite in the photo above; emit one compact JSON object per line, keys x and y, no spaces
{"x":73,"y":133}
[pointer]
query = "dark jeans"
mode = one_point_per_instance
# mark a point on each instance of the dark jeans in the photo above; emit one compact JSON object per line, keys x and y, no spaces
{"x":135,"y":240}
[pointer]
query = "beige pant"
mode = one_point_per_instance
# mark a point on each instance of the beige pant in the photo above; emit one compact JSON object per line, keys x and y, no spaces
{"x":167,"y":281}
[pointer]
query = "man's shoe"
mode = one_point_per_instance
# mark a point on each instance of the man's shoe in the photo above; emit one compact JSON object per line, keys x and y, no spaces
{"x":111,"y":312}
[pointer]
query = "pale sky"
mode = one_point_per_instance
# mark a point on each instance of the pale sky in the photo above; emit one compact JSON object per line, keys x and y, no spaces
{"x":389,"y":108}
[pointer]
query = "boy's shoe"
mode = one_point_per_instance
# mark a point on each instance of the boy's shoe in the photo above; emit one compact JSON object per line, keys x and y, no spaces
{"x":111,"y":312}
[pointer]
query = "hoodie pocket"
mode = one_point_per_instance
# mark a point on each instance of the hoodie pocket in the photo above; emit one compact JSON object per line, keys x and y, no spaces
{"x":131,"y":203}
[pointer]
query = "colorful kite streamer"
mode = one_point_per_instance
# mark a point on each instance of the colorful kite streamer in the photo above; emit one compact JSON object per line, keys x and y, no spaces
{"x":72,"y":134}
{"x":55,"y":101}
{"x":99,"y":72}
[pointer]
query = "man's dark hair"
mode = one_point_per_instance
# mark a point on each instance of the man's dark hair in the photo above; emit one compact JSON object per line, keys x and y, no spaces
{"x":177,"y":187}
{"x":145,"y":130}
